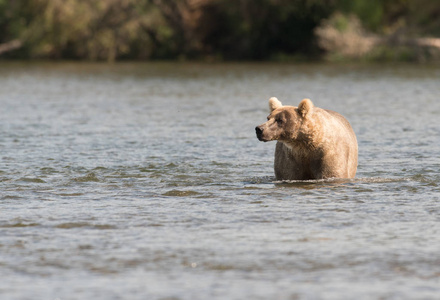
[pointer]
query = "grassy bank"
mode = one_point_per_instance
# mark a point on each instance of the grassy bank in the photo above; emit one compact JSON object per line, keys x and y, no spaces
{"x":218,"y":30}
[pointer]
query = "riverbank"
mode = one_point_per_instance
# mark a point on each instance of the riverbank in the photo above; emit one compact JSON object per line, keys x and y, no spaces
{"x":220,"y":30}
{"x":344,"y":38}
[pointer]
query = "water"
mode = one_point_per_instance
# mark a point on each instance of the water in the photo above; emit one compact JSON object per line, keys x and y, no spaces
{"x":146,"y":181}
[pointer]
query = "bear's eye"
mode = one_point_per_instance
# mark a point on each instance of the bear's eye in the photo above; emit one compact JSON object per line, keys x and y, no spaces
{"x":279,"y":121}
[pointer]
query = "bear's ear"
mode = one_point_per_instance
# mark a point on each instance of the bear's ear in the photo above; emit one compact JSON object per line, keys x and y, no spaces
{"x":274,"y":103}
{"x":304,"y":107}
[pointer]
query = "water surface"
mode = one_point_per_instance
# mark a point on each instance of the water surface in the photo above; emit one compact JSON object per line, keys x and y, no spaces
{"x":146,"y":181}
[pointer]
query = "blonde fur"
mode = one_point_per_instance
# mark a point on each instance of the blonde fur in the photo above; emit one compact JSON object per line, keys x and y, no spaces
{"x":305,"y":106}
{"x":274,"y":103}
{"x":313,"y":143}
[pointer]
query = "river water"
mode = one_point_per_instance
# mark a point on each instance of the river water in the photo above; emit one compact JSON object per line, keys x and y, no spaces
{"x":146,"y":181}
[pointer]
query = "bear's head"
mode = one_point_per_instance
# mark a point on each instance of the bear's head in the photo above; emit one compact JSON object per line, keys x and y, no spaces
{"x":284,"y":122}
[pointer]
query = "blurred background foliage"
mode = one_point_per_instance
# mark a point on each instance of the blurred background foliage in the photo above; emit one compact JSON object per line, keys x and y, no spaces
{"x":200,"y":29}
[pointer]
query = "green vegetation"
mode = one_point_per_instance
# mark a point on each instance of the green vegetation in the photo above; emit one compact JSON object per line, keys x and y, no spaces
{"x":200,"y":29}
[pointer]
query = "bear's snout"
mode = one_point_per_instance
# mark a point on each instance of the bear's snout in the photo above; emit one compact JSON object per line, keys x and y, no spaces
{"x":259,"y":132}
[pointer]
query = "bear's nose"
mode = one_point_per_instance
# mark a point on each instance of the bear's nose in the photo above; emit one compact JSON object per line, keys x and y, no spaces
{"x":259,"y":132}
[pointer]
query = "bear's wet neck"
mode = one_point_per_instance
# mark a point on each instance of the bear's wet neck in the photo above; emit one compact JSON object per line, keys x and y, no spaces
{"x":307,"y":138}
{"x":301,"y":145}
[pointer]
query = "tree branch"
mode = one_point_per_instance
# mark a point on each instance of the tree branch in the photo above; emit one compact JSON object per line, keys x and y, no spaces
{"x":10,"y":46}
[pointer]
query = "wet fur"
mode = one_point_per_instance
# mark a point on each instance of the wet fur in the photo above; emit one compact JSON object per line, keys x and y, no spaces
{"x":313,"y":143}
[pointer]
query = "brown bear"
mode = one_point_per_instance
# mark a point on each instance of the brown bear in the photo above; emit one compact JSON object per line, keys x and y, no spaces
{"x":313,"y":143}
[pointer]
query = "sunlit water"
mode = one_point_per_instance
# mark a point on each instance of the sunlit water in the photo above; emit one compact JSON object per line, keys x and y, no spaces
{"x":146,"y":181}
